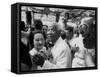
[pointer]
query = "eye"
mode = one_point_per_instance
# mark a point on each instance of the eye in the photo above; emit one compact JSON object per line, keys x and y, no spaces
{"x":49,"y":29}
{"x":36,"y":39}
{"x":80,"y":26}
{"x":42,"y":39}
{"x":85,"y":25}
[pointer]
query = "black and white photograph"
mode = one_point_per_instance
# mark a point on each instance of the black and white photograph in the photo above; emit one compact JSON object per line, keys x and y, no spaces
{"x":57,"y":38}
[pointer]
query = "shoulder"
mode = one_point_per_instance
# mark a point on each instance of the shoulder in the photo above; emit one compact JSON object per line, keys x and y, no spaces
{"x":64,"y":50}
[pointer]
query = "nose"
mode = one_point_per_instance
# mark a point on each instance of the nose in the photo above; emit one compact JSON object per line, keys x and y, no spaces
{"x":49,"y":32}
{"x":40,"y":42}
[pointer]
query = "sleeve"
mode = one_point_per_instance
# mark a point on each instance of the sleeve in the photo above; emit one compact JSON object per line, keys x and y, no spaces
{"x":63,"y":61}
{"x":78,"y":60}
{"x":89,"y":60}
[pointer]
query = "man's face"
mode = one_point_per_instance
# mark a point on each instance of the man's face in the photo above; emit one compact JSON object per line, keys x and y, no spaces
{"x":84,"y":29}
{"x":44,"y":28}
{"x":51,"y":32}
{"x":69,"y":35}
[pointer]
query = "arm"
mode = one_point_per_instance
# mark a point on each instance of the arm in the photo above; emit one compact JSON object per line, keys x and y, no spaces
{"x":89,"y":60}
{"x":63,"y":61}
{"x":78,"y":60}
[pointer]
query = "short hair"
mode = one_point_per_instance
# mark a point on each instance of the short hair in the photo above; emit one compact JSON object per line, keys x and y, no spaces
{"x":70,"y":29}
{"x":31,"y":37}
{"x":55,"y":26}
{"x":38,"y":31}
{"x":67,"y":14}
{"x":38,"y":24}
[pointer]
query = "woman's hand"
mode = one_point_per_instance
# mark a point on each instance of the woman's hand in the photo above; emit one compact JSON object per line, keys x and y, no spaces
{"x":43,"y":53}
{"x":38,"y":60}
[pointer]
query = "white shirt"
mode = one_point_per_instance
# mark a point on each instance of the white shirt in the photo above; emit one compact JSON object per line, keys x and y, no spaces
{"x":61,"y":56}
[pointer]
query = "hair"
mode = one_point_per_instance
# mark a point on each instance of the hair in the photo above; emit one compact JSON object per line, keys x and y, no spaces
{"x":55,"y":27}
{"x":89,"y":42}
{"x":38,"y":24}
{"x":70,"y":32}
{"x":70,"y":29}
{"x":63,"y":35}
{"x":90,"y":38}
{"x":57,"y":30}
{"x":45,"y":25}
{"x":67,"y":14}
{"x":32,"y":34}
{"x":22,"y":26}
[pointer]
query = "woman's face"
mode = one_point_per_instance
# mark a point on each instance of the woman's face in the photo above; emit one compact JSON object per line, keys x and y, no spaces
{"x":38,"y":41}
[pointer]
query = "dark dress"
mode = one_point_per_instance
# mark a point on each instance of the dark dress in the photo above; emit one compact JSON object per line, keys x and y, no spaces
{"x":25,"y":57}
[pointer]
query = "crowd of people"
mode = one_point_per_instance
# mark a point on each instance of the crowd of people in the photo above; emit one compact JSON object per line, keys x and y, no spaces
{"x":58,"y":46}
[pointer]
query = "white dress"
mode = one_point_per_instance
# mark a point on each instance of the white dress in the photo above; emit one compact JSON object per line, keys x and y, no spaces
{"x":79,"y":57}
{"x":78,"y":60}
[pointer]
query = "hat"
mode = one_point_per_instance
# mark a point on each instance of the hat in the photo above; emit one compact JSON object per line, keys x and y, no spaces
{"x":87,"y":20}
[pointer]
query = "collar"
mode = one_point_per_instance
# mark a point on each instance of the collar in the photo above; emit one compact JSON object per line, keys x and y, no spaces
{"x":34,"y":51}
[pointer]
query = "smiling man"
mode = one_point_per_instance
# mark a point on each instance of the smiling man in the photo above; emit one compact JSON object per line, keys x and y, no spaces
{"x":61,"y":52}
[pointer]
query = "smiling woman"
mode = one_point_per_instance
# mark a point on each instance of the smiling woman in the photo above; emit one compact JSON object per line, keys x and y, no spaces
{"x":38,"y":51}
{"x":38,"y":39}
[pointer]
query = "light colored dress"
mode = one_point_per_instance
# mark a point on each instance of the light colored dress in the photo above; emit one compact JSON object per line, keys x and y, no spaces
{"x":80,"y":55}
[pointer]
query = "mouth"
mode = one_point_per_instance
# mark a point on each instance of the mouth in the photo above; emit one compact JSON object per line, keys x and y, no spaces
{"x":40,"y":46}
{"x":49,"y":35}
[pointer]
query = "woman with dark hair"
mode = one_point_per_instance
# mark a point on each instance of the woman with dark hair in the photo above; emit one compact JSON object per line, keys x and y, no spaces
{"x":90,"y":44}
{"x":38,"y":52}
{"x":37,"y":27}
